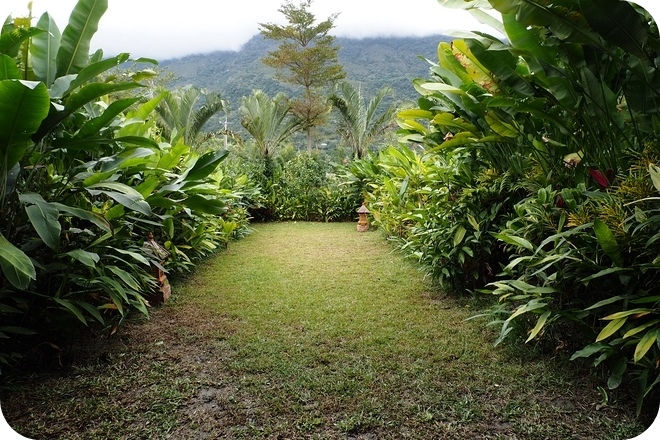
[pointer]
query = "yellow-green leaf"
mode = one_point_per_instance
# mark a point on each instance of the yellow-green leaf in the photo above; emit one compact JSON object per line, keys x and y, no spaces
{"x":645,"y":344}
{"x":611,"y":328}
{"x":539,"y":325}
{"x":460,"y":234}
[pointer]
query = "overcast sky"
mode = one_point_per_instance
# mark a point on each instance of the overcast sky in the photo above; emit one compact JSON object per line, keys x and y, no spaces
{"x":165,"y":29}
{"x":169,"y":29}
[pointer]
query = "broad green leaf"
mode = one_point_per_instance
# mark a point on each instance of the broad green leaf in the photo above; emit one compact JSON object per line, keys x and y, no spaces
{"x":87,"y":258}
{"x":44,"y":218}
{"x":90,"y":216}
{"x":94,"y":91}
{"x":487,"y":19}
{"x":515,"y":240}
{"x":618,"y":23}
{"x":606,"y":302}
{"x":459,"y":235}
{"x":92,"y":71}
{"x":91,"y":310}
{"x":627,"y":313}
{"x":85,"y":95}
{"x":440,"y":87}
{"x":539,"y":325}
{"x":145,"y":110}
{"x":68,"y":305}
{"x":137,"y":257}
{"x":44,"y":49}
{"x":449,"y":120}
{"x":459,"y":139}
{"x":524,"y":308}
{"x":8,"y":68}
{"x":499,"y":126}
{"x":526,"y":40}
{"x":608,"y":242}
{"x":415,"y":114}
{"x":126,"y":277}
{"x":605,"y":272}
{"x":635,"y":330}
{"x":473,"y":222}
{"x":17,"y":330}
{"x":477,"y":72}
{"x":591,"y":349}
{"x":645,"y":344}
{"x":611,"y":328}
{"x":147,"y":187}
{"x":73,"y":54}
{"x":205,"y":165}
{"x":172,"y":157}
{"x":140,"y":141}
{"x":202,"y":204}
{"x":617,"y":368}
{"x":134,"y":202}
{"x":10,"y":42}
{"x":23,"y":105}
{"x":92,"y":126}
{"x":15,"y":265}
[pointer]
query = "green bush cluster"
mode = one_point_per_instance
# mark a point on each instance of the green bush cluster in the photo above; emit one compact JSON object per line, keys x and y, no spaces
{"x":295,"y":185}
{"x":84,"y":177}
{"x":535,"y":179}
{"x":308,"y":188}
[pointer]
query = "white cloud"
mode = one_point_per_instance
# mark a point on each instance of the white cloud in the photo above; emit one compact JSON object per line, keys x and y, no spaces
{"x":158,"y":29}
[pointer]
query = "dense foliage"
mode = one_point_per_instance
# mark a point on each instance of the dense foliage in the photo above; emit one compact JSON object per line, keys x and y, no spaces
{"x":84,"y":176}
{"x":535,"y":178}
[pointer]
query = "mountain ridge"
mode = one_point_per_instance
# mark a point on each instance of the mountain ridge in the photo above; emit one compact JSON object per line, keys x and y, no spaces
{"x":371,"y":62}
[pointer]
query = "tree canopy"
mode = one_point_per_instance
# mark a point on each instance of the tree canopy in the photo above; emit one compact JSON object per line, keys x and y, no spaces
{"x":306,"y":57}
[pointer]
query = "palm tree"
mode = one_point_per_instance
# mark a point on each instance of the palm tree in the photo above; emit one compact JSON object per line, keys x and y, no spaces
{"x":361,"y":124}
{"x":182,"y":115}
{"x":269,"y":121}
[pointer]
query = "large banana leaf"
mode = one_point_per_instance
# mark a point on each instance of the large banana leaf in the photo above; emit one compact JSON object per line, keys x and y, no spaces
{"x":92,"y":71}
{"x":86,"y":94}
{"x":618,"y":23}
{"x":44,"y":49}
{"x":503,"y":65}
{"x":10,"y":42}
{"x":23,"y":105}
{"x":73,"y":54}
{"x":92,"y":126}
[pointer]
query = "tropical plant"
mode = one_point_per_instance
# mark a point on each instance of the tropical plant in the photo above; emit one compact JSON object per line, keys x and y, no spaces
{"x":361,"y":124}
{"x":84,"y":177}
{"x":182,"y":114}
{"x":311,"y":189}
{"x":533,"y":177}
{"x":270,"y":122}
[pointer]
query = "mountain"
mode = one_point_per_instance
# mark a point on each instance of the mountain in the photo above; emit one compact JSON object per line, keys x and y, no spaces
{"x":370,"y":62}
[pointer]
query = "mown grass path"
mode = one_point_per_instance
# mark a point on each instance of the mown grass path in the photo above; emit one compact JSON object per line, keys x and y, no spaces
{"x":306,"y":330}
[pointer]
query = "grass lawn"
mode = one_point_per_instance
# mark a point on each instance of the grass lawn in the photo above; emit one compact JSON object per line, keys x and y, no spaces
{"x":309,"y":330}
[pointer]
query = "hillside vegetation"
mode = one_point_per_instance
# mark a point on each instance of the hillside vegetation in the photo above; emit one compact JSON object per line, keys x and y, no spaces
{"x":371,"y":63}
